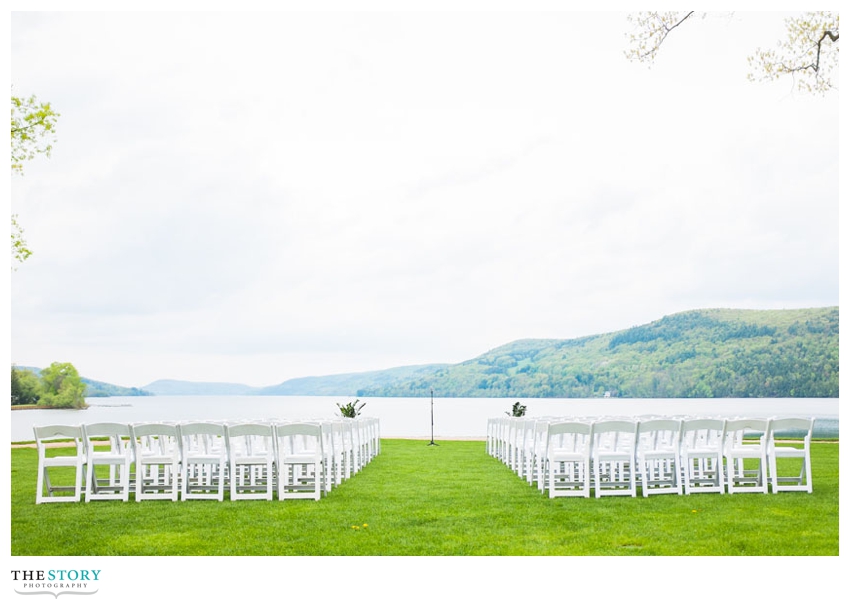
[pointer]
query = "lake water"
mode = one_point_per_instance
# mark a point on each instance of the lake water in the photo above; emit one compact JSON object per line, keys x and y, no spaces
{"x":411,"y":417}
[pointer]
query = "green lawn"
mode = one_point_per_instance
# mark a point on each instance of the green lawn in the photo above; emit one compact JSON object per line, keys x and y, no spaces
{"x":454,"y":499}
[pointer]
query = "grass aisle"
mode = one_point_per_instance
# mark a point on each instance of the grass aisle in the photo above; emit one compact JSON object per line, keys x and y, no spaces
{"x":453,"y":499}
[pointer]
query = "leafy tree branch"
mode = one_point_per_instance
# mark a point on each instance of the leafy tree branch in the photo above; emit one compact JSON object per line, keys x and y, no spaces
{"x":33,"y":132}
{"x":809,"y":52}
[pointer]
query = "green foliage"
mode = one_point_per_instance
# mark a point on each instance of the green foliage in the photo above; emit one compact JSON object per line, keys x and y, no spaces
{"x":61,"y":387}
{"x":351,"y":410}
{"x":703,"y":353}
{"x":93,"y":388}
{"x":455,"y":500}
{"x":33,"y":129}
{"x":20,"y":250}
{"x":517,"y":410}
{"x":26,"y":387}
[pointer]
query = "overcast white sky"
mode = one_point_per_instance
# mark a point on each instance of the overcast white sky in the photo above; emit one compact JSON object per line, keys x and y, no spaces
{"x":250,"y":197}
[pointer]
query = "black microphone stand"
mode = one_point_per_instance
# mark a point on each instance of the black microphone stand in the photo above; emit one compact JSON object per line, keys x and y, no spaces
{"x":432,"y":443}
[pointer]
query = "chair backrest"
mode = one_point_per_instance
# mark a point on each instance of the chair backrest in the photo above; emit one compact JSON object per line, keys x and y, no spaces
{"x":299,"y":438}
{"x":62,"y":433}
{"x":202,"y":437}
{"x":119,"y":435}
{"x":156,"y":438}
{"x":155,"y":429}
{"x":738,"y":429}
{"x":791,"y":427}
{"x":106,"y":430}
{"x":570,"y":436}
{"x":753,"y":425}
{"x":250,"y":438}
{"x":703,"y":432}
{"x":614,"y":434}
{"x":56,"y":432}
{"x":658,"y":434}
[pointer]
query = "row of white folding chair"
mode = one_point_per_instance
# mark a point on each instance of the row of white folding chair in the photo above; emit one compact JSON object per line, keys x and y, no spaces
{"x":669,"y":455}
{"x":306,"y":463}
{"x":511,"y":439}
{"x":190,"y":458}
{"x":601,"y":454}
{"x":715,"y":454}
{"x":253,"y":459}
{"x":346,"y":447}
{"x":123,"y":450}
{"x":521,"y":443}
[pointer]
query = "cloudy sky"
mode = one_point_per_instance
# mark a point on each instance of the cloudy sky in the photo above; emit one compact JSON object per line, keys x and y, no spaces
{"x":251,"y":197}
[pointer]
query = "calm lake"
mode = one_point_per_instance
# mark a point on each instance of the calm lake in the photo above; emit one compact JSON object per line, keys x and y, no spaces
{"x":411,"y":417}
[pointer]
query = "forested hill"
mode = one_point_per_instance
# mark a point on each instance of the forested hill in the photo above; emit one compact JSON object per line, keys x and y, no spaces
{"x":703,"y":353}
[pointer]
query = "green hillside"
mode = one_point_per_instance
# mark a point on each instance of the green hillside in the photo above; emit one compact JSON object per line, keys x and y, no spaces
{"x":352,"y":383}
{"x":99,"y":388}
{"x":703,"y":353}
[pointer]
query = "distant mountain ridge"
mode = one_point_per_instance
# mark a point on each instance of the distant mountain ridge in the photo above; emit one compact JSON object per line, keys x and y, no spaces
{"x":174,"y":387}
{"x":326,"y":385}
{"x":700,"y":353}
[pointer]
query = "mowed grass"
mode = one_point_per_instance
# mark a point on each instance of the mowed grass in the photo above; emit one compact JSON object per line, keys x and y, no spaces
{"x":451,"y":499}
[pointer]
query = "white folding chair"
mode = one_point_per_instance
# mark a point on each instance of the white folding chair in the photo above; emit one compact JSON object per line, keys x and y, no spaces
{"x":568,"y":458}
{"x":300,"y":461}
{"x":376,"y":435}
{"x":67,"y":484}
{"x":659,"y":465}
{"x":537,"y":452}
{"x":108,"y":450}
{"x":204,"y":460}
{"x":796,"y":429}
{"x":342,"y":457}
{"x":504,"y":440}
{"x":525,"y":464}
{"x":745,"y":448}
{"x":515,"y":425}
{"x":328,"y":454}
{"x":351,"y":461}
{"x":613,"y":455}
{"x":356,"y":444}
{"x":373,"y":425}
{"x":701,"y":453}
{"x":358,"y":431}
{"x":156,"y":451}
{"x":251,"y":452}
{"x":492,"y":435}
